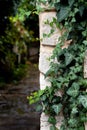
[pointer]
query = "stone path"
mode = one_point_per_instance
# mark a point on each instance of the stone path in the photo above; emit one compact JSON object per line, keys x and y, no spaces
{"x":15,"y":112}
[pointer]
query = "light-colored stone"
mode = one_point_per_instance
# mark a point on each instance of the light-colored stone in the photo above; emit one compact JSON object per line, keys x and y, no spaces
{"x":46,"y":49}
{"x":45,"y":54}
{"x":44,"y":125}
{"x":44,"y":121}
{"x":59,"y":119}
{"x":85,"y":76}
{"x":86,"y":126}
{"x":46,"y":29}
{"x":44,"y":82}
{"x":85,"y":65}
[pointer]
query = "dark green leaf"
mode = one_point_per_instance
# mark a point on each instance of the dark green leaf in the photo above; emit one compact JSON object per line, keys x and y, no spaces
{"x":63,"y":13}
{"x":68,"y":58}
{"x":73,"y":122}
{"x":73,"y":90}
{"x":83,"y":100}
{"x":81,"y":10}
{"x":53,"y":128}
{"x":71,"y":2}
{"x":57,"y":108}
{"x":52,"y":120}
{"x":38,"y":107}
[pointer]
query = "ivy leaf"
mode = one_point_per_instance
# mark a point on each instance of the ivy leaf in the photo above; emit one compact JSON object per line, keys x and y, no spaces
{"x":57,"y":108}
{"x":81,"y":10}
{"x":57,"y":6}
{"x":71,"y":2}
{"x":73,"y":122}
{"x":68,"y":58}
{"x":85,"y":42}
{"x":53,"y":128}
{"x":73,"y":90}
{"x":63,"y":13}
{"x":83,"y":100}
{"x":74,"y":110}
{"x":39,"y":108}
{"x":52,"y":120}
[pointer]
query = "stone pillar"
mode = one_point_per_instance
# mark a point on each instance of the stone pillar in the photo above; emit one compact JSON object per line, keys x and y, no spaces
{"x":85,"y":76}
{"x":47,"y":46}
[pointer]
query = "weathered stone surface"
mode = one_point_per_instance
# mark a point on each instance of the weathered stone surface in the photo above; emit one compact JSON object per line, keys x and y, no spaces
{"x":46,"y":49}
{"x":86,"y":126}
{"x":44,"y":121}
{"x":59,"y":120}
{"x":44,"y":63}
{"x":52,"y":40}
{"x":44,"y":125}
{"x":44,"y":81}
{"x":85,"y":65}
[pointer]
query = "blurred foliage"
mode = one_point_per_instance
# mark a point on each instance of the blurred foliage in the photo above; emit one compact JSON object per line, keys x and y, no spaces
{"x":16,"y":34}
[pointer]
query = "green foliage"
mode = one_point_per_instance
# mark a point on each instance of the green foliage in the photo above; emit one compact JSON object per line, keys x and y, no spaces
{"x":19,"y":72}
{"x":66,"y":75}
{"x":7,"y":8}
{"x":16,"y":36}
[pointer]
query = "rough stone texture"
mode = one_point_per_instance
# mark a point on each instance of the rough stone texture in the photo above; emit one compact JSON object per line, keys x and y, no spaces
{"x":59,"y":119}
{"x":45,"y":29}
{"x":46,"y":49}
{"x":45,"y":53}
{"x":86,"y":126}
{"x":85,"y":65}
{"x":44,"y":81}
{"x":85,"y":76}
{"x":44,"y":122}
{"x":44,"y":125}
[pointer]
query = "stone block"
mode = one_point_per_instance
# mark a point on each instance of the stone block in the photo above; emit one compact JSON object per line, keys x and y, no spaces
{"x":44,"y":121}
{"x":45,"y":28}
{"x":44,"y":125}
{"x":86,"y":126}
{"x":45,"y":54}
{"x":44,"y":81}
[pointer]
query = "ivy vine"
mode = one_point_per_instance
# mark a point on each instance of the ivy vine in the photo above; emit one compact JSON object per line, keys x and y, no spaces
{"x":66,"y":75}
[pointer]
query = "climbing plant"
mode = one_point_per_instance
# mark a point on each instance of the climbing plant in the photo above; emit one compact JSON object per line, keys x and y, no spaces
{"x":66,"y":73}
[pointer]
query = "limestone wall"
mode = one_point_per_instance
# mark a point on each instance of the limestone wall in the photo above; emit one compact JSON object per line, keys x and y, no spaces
{"x":47,"y":46}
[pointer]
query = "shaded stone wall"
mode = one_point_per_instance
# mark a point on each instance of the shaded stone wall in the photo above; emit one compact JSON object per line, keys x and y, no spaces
{"x":47,"y":46}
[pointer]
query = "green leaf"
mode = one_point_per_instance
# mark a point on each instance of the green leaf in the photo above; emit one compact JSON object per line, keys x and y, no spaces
{"x":40,"y":93}
{"x":68,"y":58}
{"x":63,"y":13}
{"x":71,"y":2}
{"x":74,"y":110}
{"x":83,"y":100}
{"x":73,"y":122}
{"x":85,"y":42}
{"x":53,"y":128}
{"x":57,"y":108}
{"x":39,"y":108}
{"x":52,"y":120}
{"x":81,"y":10}
{"x":73,"y":90}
